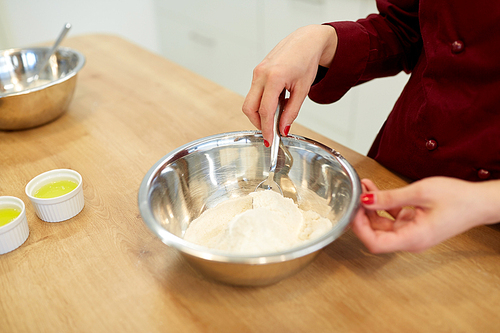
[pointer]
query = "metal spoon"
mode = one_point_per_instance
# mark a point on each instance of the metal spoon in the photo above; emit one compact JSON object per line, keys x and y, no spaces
{"x":45,"y":61}
{"x":284,"y":166}
{"x":269,"y":183}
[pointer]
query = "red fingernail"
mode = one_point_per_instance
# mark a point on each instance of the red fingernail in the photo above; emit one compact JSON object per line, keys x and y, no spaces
{"x":287,"y":129}
{"x":266,"y":143}
{"x":368,"y":198}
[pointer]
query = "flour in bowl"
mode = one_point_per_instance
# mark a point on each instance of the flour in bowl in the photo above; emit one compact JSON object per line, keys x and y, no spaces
{"x":261,"y":222}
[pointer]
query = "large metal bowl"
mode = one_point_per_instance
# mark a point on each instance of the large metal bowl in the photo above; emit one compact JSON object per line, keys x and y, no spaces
{"x":205,"y":172}
{"x":23,"y":105}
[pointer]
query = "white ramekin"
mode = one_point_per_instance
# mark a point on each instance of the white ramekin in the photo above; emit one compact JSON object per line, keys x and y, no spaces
{"x":14,"y":233}
{"x":59,"y":208}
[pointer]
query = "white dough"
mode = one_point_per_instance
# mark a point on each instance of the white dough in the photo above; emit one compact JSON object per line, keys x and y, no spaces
{"x":261,"y":222}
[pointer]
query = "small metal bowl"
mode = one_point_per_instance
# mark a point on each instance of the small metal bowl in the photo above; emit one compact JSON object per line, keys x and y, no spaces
{"x":23,"y":105}
{"x":205,"y":172}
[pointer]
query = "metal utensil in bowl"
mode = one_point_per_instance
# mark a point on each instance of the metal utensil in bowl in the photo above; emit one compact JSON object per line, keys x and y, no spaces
{"x":33,"y":79}
{"x":205,"y":172}
{"x":45,"y":101}
{"x":281,"y":161}
{"x":269,"y":183}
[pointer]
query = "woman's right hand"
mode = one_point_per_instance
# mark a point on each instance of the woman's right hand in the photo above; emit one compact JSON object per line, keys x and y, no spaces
{"x":291,"y":65}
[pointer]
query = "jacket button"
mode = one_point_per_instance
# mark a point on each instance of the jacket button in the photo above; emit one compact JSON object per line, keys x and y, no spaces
{"x":483,"y":174}
{"x":457,"y":46}
{"x":431,"y":144}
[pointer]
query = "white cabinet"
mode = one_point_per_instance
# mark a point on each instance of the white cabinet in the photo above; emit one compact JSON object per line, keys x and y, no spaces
{"x":224,"y":40}
{"x":218,"y":39}
{"x":284,"y":16}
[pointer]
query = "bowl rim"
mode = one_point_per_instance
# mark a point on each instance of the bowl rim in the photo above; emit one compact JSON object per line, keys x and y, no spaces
{"x":69,"y":75}
{"x":203,"y":252}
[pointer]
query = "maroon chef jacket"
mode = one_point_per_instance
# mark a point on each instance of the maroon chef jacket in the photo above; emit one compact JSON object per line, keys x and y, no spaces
{"x":447,"y":119}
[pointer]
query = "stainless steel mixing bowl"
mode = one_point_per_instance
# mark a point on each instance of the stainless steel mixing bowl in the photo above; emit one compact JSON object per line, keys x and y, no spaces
{"x":205,"y":172}
{"x":24,"y":106}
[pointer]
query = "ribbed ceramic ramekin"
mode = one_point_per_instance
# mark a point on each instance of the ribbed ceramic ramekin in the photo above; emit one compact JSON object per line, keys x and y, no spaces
{"x":60,"y":208}
{"x":14,"y":233}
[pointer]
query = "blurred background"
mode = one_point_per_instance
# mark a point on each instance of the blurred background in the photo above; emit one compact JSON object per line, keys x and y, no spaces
{"x":222,"y":40}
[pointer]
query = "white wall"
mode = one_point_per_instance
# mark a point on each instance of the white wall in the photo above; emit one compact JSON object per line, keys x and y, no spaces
{"x":27,"y":22}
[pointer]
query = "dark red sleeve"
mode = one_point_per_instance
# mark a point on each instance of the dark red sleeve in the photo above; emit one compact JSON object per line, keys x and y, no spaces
{"x":380,"y":45}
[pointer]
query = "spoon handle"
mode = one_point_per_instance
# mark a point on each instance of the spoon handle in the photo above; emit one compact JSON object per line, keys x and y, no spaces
{"x":45,"y":61}
{"x":63,"y":33}
{"x":276,"y":135}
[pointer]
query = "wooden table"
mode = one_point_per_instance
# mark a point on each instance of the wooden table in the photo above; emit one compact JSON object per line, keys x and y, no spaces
{"x":104,"y":271}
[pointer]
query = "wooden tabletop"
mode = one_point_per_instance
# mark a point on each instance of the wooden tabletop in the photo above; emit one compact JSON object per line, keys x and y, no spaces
{"x":104,"y":271}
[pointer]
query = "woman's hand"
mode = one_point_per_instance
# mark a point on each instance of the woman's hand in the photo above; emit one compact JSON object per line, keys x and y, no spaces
{"x":443,"y":208}
{"x":293,"y":65}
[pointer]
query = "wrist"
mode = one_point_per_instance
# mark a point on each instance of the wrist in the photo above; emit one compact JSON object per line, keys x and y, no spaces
{"x":489,"y":197}
{"x":329,"y":46}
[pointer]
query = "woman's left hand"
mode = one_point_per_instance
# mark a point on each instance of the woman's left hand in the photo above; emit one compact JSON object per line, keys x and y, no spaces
{"x":441,"y":208}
